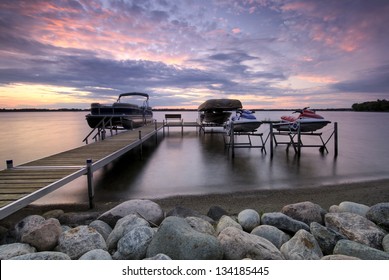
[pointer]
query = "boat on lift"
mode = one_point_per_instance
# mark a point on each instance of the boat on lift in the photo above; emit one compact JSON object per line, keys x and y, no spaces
{"x":243,"y":122}
{"x":121,"y":114}
{"x":217,"y":111}
{"x":306,"y":121}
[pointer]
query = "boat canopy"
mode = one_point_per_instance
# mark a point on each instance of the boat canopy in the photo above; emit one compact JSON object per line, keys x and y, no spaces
{"x":223,"y":104}
{"x":132,"y":94}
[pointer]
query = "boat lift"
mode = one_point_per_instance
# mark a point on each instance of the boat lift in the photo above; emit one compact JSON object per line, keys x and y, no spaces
{"x":295,"y":139}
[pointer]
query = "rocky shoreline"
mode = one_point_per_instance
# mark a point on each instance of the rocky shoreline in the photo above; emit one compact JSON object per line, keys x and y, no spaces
{"x":142,"y":229}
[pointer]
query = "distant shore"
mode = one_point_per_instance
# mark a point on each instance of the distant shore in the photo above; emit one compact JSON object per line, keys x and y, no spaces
{"x":368,"y":193}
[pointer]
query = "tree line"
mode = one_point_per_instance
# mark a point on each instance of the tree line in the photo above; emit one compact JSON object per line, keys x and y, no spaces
{"x":372,"y":106}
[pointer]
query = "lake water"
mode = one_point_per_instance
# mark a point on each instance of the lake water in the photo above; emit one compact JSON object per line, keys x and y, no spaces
{"x":200,"y":163}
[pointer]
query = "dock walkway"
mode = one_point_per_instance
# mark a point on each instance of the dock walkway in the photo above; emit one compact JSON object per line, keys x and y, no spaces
{"x":23,"y":184}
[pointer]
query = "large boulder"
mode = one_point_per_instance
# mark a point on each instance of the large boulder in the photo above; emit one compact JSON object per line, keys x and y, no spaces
{"x":379,"y":214}
{"x":102,"y":227}
{"x":15,"y":249}
{"x":146,"y":209}
{"x":356,"y":227}
{"x":122,"y":227}
{"x":249,"y":219}
{"x":77,"y":241}
{"x":306,"y":212}
{"x":133,"y":245}
{"x":271,"y":233}
{"x":200,"y":225}
{"x":358,"y":250}
{"x":183,"y":212}
{"x":238,"y":244}
{"x":283,"y":222}
{"x":225,"y":222}
{"x":326,"y":237}
{"x":216,"y":212}
{"x":178,"y":240}
{"x":38,"y":232}
{"x":302,"y":246}
{"x":353,"y":207}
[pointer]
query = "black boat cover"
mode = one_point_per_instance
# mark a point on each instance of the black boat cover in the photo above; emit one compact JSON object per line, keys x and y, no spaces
{"x":223,"y":104}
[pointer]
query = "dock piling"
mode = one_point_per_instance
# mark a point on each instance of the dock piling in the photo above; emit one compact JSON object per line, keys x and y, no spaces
{"x":91,"y":192}
{"x":10,"y":164}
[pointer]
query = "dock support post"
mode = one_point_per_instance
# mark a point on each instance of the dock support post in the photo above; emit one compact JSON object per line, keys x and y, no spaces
{"x":271,"y":139}
{"x":91,"y":192}
{"x":140,"y":146}
{"x":156,"y":132}
{"x":10,"y":163}
{"x":299,"y":141}
{"x":232,"y":139}
{"x":336,"y":138}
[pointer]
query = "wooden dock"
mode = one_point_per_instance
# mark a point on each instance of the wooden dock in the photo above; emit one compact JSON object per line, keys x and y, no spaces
{"x":23,"y":184}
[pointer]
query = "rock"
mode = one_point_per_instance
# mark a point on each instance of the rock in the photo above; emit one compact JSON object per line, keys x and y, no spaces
{"x":334,"y":209}
{"x":339,"y":257}
{"x":216,"y":212}
{"x":147,"y":209}
{"x":358,"y":250}
{"x":9,"y":251}
{"x":302,"y":246}
{"x":75,"y":219}
{"x":133,"y":245}
{"x":183,"y":212}
{"x":47,"y":255}
{"x":53,"y":214}
{"x":249,"y":219}
{"x":102,"y":227}
{"x":200,"y":225}
{"x":352,"y":207}
{"x":306,"y":212}
{"x":238,"y":244}
{"x":159,"y":257}
{"x":178,"y":240}
{"x":123,"y":226}
{"x":38,"y":232}
{"x":379,"y":214}
{"x":271,"y":233}
{"x":226,"y":222}
{"x":77,"y":241}
{"x":283,"y":222}
{"x":96,"y":254}
{"x":385,"y":243}
{"x":356,"y":228}
{"x":327,"y":238}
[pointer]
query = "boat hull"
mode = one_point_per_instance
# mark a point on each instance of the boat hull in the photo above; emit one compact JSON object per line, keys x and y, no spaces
{"x":305,"y":125}
{"x":215,"y":117}
{"x":246,"y":125}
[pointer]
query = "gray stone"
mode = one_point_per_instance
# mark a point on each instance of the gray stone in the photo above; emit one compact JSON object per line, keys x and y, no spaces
{"x":338,"y":257}
{"x":178,"y":240}
{"x":271,"y":233}
{"x":26,"y":224}
{"x":356,"y":227}
{"x":102,"y":227}
{"x":327,"y":238}
{"x":353,"y":207}
{"x":184,"y":212}
{"x":147,"y":209}
{"x":47,"y":255}
{"x":159,"y":257}
{"x":123,"y":226}
{"x":358,"y":250}
{"x":385,"y":243}
{"x":379,"y":214}
{"x":96,"y":254}
{"x":334,"y":209}
{"x":216,"y":212}
{"x":15,"y":249}
{"x":200,"y":225}
{"x":238,"y":244}
{"x":306,"y":212}
{"x":226,"y":222}
{"x":249,"y":219}
{"x":44,"y":236}
{"x":53,"y":214}
{"x":75,"y":219}
{"x":302,"y":246}
{"x":133,"y":245}
{"x":283,"y":222}
{"x":77,"y":241}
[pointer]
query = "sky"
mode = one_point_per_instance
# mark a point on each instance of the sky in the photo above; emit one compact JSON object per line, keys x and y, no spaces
{"x":267,"y":53}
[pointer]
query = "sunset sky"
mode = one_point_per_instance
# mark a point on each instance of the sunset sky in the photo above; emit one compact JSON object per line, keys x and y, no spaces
{"x":267,"y":53}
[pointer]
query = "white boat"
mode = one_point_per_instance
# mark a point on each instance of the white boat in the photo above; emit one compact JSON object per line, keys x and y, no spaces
{"x":121,"y":114}
{"x":243,"y":122}
{"x":217,"y":111}
{"x":307,"y":121}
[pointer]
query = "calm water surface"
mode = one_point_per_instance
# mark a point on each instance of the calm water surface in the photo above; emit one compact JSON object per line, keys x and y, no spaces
{"x":200,"y":164}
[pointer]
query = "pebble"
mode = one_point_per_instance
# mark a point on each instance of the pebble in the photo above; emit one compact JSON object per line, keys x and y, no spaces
{"x":139,"y":229}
